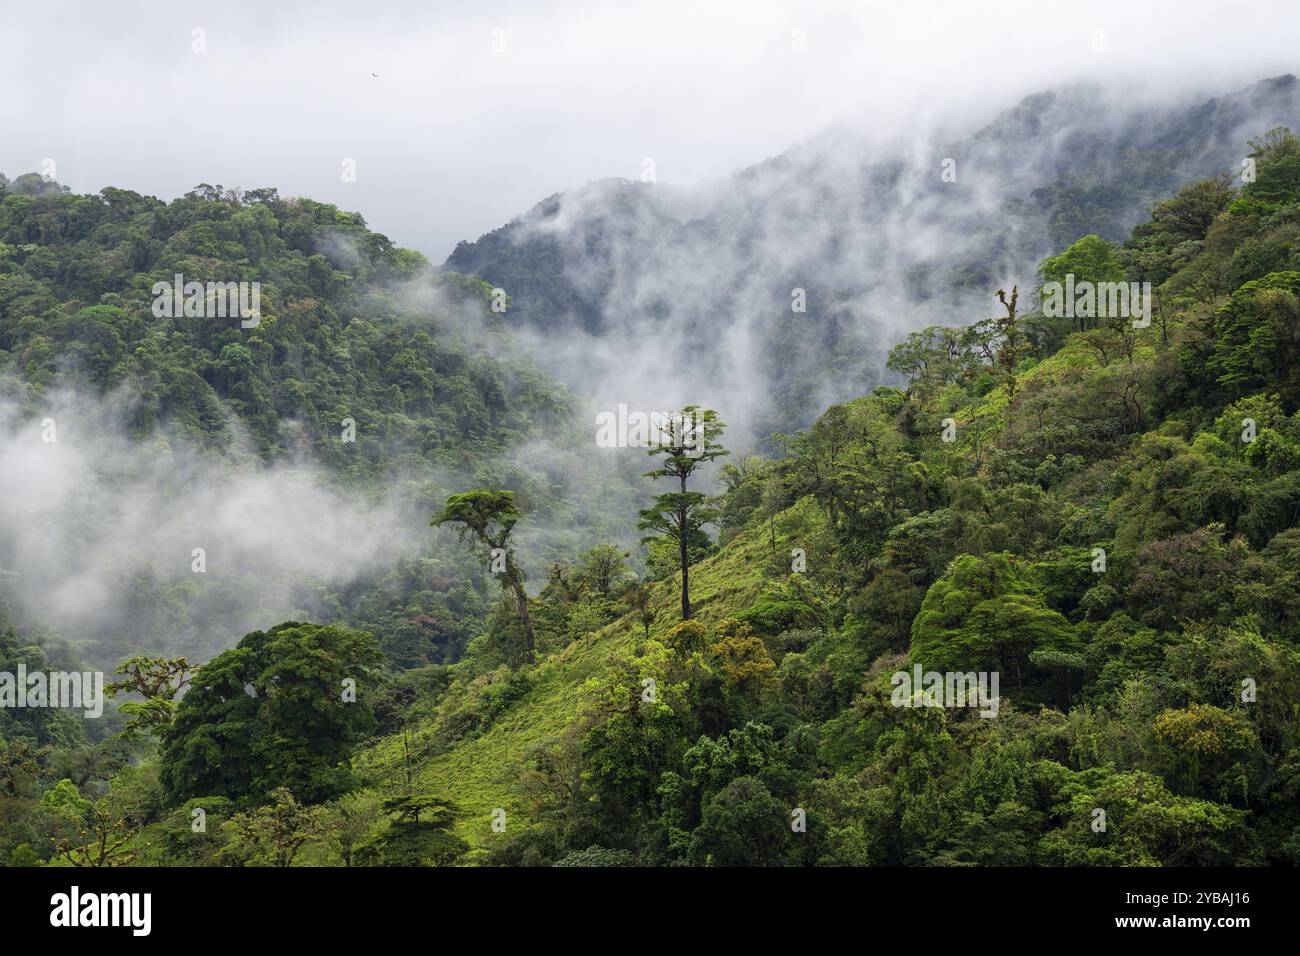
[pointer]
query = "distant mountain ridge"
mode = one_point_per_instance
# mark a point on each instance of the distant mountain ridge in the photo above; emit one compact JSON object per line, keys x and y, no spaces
{"x":879,"y":243}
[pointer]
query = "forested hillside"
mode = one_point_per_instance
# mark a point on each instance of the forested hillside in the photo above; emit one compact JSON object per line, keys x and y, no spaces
{"x":303,"y":453}
{"x":1112,"y":530}
{"x":1100,"y":511}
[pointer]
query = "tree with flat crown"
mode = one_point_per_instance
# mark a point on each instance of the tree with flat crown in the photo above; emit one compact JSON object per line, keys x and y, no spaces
{"x":489,"y":517}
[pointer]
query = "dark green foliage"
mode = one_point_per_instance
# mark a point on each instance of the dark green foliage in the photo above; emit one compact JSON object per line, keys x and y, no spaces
{"x":417,"y":835}
{"x":770,"y":618}
{"x":1256,"y":345}
{"x":272,"y":712}
{"x":337,"y":339}
{"x":597,"y":856}
{"x":686,"y":441}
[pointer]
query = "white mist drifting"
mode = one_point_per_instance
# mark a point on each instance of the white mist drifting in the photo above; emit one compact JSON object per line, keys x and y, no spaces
{"x":93,"y":517}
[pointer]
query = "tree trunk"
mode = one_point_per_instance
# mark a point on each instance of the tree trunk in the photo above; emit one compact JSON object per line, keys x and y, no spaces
{"x":686,"y":586}
{"x":682,"y":553}
{"x":521,"y":599}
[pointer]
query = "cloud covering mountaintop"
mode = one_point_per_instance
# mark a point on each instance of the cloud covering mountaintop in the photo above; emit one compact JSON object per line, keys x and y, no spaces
{"x":620,"y":283}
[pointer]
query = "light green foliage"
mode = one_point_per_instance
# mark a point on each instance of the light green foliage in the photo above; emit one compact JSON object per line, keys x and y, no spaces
{"x":271,"y":835}
{"x":987,"y":614}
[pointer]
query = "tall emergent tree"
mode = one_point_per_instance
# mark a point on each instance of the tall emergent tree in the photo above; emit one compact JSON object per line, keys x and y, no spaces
{"x":489,"y":517}
{"x":686,"y":440}
{"x":160,"y":681}
{"x":1013,"y":339}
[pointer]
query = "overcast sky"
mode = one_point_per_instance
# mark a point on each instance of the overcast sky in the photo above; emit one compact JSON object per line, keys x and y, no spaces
{"x":480,"y":109}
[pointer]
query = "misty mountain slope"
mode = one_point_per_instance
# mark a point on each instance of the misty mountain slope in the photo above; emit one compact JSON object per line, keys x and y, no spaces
{"x":302,"y":455}
{"x":702,"y":280}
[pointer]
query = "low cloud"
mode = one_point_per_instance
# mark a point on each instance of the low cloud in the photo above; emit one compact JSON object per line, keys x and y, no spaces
{"x":100,"y":530}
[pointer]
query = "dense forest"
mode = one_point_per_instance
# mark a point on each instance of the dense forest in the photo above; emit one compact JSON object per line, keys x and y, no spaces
{"x":1101,"y":512}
